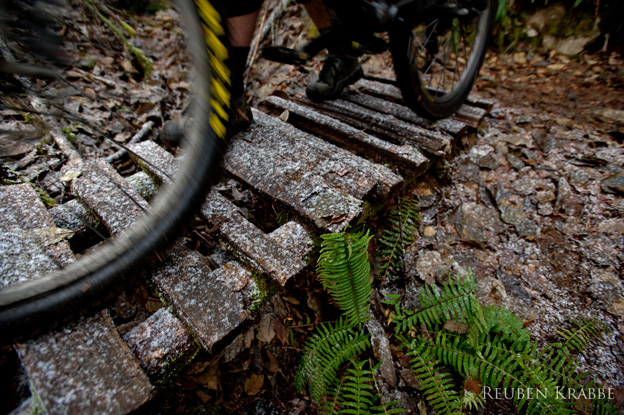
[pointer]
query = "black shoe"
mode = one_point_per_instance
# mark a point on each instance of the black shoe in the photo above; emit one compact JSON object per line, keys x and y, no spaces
{"x":241,"y":118}
{"x":338,"y":72}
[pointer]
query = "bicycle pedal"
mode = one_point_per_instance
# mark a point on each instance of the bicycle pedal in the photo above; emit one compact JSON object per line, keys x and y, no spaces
{"x":288,"y":56}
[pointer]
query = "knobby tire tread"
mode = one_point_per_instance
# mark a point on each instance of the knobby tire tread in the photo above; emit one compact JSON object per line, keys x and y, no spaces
{"x":93,"y":282}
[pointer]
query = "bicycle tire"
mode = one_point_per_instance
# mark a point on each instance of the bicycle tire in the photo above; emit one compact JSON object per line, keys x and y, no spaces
{"x":95,"y":279}
{"x":417,"y":59}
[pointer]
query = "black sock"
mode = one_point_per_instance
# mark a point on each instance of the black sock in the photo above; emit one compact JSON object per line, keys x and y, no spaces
{"x":238,"y":64}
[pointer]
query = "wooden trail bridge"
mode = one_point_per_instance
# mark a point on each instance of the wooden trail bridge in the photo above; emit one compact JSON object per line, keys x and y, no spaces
{"x":323,"y":163}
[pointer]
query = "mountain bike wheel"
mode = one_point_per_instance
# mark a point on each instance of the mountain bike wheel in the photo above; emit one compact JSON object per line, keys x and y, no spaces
{"x":97,"y":276}
{"x":437,"y":60}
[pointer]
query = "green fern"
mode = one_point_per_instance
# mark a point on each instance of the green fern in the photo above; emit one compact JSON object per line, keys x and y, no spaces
{"x":324,"y":354}
{"x":505,"y":324}
{"x":357,"y":393}
{"x":344,"y":271}
{"x":580,"y":337}
{"x":393,"y":241}
{"x":453,"y":301}
{"x":495,"y":365}
{"x":437,"y":387}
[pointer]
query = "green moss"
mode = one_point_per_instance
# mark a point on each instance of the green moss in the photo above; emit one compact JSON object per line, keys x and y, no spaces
{"x":261,"y":289}
{"x":44,"y":196}
{"x":172,"y":367}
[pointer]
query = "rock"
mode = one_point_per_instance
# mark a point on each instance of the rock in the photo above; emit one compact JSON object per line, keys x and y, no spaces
{"x":484,"y":156}
{"x":610,"y":115}
{"x":490,"y":291}
{"x":478,"y":223}
{"x":381,"y":349}
{"x":613,"y":183}
{"x":528,"y":229}
{"x":513,"y":287}
{"x":617,"y":307}
{"x":569,"y":46}
{"x":427,"y":266}
{"x":511,"y":214}
{"x":615,"y":225}
{"x":547,"y":17}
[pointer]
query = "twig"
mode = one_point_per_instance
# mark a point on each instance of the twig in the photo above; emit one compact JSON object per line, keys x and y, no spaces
{"x":263,"y":31}
{"x":57,"y":135}
{"x":145,"y":62}
{"x":145,"y":129}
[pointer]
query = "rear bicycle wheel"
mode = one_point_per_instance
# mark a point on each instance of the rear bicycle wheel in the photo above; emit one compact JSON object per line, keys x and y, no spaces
{"x":97,"y":275}
{"x":437,"y":60}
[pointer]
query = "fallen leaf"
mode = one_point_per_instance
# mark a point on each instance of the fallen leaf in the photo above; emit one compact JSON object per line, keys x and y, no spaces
{"x":472,"y":385}
{"x":265,"y":331}
{"x":273,"y":364}
{"x":280,"y":331}
{"x":127,"y":66}
{"x":254,"y":383}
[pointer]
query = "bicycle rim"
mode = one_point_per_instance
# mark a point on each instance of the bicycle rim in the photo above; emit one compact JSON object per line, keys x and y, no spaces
{"x":98,"y":275}
{"x":437,"y":61}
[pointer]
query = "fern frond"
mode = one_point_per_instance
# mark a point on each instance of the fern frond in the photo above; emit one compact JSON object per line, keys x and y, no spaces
{"x":437,"y":387}
{"x":325,"y":352}
{"x":404,"y":221}
{"x":344,"y":271}
{"x":505,"y":324}
{"x":356,"y":393}
{"x":453,"y":301}
{"x":586,"y":329}
{"x":472,"y":400}
{"x":330,"y":404}
{"x":359,"y":393}
{"x":495,"y":364}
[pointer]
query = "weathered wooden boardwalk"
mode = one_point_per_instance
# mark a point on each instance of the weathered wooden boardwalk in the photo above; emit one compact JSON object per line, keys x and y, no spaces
{"x":322,"y":163}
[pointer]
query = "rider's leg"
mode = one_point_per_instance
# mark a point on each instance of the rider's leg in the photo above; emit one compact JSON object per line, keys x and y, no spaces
{"x":240,"y":31}
{"x":318,"y":13}
{"x":339,"y":70}
{"x":241,"y":23}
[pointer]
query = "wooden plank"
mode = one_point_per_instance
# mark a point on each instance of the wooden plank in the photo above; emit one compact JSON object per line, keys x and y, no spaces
{"x":235,"y":229}
{"x":449,"y":125}
{"x":406,"y":156}
{"x":266,"y":254}
{"x":160,"y":341}
{"x":155,"y":159}
{"x":290,"y":183}
{"x":30,"y":243}
{"x":293,"y":238}
{"x":107,"y":194}
{"x":473,"y":116}
{"x":211,"y":303}
{"x":84,"y":367}
{"x":340,"y":168}
{"x":387,"y":88}
{"x":386,"y":127}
